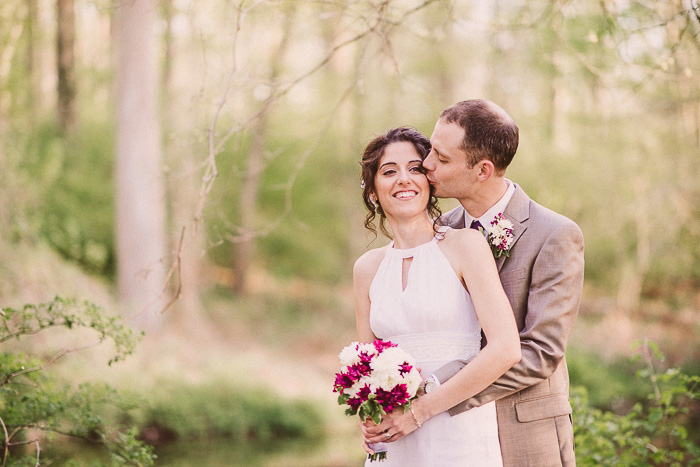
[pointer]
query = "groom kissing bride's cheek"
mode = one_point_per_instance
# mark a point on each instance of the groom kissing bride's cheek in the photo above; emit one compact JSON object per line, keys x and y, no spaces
{"x":483,"y":297}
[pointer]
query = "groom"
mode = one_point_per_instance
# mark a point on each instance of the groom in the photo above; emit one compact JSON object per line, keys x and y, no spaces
{"x":473,"y":143}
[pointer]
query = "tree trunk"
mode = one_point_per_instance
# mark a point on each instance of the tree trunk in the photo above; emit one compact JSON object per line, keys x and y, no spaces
{"x":34,"y":88}
{"x":635,"y":268}
{"x":187,"y":317}
{"x":140,"y":204}
{"x":244,"y":249}
{"x":561,"y":103}
{"x":167,"y":9}
{"x":65,"y":38}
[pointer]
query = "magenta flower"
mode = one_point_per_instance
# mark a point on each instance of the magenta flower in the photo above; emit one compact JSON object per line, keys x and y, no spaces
{"x":364,"y":392}
{"x":404,"y":368}
{"x":394,"y":398}
{"x":358,"y":370}
{"x":365,"y":357}
{"x":380,"y":345}
{"x":342,"y":381}
{"x":354,"y":403}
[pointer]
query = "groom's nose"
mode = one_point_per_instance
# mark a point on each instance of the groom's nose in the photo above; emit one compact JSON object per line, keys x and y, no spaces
{"x":429,"y":162}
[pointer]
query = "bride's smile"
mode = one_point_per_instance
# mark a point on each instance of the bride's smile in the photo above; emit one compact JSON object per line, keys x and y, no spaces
{"x":405,"y":194}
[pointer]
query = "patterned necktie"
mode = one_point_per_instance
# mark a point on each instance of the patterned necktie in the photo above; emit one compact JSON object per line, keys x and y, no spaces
{"x":475,"y":225}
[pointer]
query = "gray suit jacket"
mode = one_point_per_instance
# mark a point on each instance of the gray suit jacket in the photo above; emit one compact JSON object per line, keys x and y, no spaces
{"x":543,"y":279}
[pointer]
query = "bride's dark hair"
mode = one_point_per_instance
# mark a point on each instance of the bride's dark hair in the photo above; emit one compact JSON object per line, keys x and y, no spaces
{"x":370,"y":165}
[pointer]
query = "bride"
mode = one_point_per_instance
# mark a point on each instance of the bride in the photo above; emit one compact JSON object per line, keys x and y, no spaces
{"x":432,"y":291}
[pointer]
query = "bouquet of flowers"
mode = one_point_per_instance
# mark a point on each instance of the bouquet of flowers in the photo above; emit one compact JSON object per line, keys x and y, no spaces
{"x":374,"y":380}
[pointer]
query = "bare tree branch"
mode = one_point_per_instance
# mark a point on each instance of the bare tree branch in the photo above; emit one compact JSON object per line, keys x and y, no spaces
{"x":376,"y":25}
{"x":5,"y":443}
{"x":58,"y":355}
{"x":175,"y":267}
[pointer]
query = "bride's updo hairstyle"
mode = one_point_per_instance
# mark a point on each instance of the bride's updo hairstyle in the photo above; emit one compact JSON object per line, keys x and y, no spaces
{"x":370,"y":165}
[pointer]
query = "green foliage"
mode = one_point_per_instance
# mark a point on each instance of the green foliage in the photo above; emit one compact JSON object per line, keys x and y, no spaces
{"x":608,"y":384}
{"x":74,"y":178}
{"x":311,"y":239}
{"x":218,"y":410}
{"x":30,"y":398}
{"x":69,"y":314}
{"x":651,"y":433}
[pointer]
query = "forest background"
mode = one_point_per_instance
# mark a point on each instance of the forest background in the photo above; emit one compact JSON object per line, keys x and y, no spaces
{"x":193,"y":168}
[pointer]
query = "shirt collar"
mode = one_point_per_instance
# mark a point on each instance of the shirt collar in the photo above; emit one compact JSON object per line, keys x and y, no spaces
{"x":494,"y":210}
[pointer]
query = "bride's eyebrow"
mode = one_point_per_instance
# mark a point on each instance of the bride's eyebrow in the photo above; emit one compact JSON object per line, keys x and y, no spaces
{"x":387,"y":163}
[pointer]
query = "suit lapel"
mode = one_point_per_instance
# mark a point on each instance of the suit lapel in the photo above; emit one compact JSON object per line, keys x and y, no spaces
{"x":518,"y":212}
{"x":454,"y":218}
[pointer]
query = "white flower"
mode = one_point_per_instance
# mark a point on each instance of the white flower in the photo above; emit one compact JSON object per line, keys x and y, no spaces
{"x":365,"y":347}
{"x":413,"y":381}
{"x":389,"y":360}
{"x":387,"y":366}
{"x":349,"y":355}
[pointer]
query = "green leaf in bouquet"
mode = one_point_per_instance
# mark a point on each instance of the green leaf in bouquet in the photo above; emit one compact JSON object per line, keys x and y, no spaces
{"x":343,"y":398}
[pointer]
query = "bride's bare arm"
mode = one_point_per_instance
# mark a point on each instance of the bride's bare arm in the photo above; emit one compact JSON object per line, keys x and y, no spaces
{"x":363,"y":273}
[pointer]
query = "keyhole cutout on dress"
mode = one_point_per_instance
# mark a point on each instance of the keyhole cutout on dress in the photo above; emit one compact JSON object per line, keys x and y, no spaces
{"x":405,"y":267}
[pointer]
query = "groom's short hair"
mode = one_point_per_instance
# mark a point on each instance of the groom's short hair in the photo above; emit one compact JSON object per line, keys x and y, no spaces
{"x":489,"y":132}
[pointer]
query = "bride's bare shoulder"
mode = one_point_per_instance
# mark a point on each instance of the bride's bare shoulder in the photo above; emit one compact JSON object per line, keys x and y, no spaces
{"x":367,"y":264}
{"x":463,"y":238}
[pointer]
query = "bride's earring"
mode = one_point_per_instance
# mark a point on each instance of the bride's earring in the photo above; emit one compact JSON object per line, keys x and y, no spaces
{"x":374,"y":201}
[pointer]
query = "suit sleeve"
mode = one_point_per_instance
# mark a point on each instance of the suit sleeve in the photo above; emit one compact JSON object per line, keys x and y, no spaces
{"x":552,"y":306}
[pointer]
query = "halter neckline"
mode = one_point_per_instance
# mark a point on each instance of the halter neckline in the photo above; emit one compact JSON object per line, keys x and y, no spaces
{"x":410,"y":252}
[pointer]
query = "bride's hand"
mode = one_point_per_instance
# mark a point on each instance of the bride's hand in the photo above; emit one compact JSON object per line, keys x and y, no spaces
{"x":395,"y":426}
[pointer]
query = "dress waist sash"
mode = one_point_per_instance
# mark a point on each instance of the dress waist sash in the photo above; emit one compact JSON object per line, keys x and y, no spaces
{"x":439,"y":346}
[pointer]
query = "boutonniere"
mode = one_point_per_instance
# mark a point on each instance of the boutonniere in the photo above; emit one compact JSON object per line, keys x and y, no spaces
{"x":499,"y":235}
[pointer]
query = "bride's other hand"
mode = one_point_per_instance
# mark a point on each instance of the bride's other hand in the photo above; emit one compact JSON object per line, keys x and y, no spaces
{"x":365,"y":444}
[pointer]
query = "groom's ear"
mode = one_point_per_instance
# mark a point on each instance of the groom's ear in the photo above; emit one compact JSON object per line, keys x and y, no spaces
{"x":485,"y":170}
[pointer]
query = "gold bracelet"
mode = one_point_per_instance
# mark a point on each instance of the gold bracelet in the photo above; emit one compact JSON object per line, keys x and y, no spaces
{"x":415,"y":419}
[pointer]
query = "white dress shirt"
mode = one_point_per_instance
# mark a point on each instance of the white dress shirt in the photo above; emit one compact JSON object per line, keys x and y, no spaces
{"x":493,"y":211}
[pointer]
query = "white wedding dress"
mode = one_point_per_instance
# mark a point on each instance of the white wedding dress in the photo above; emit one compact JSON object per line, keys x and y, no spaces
{"x":433,"y":319}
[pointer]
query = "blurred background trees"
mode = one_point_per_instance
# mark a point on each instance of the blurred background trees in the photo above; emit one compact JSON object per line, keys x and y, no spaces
{"x":201,"y":158}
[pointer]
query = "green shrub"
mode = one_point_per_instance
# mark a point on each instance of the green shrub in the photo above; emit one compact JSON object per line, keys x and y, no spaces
{"x":651,"y":433}
{"x":72,"y":179}
{"x":608,"y":384}
{"x":217,"y":410}
{"x":31,"y":399}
